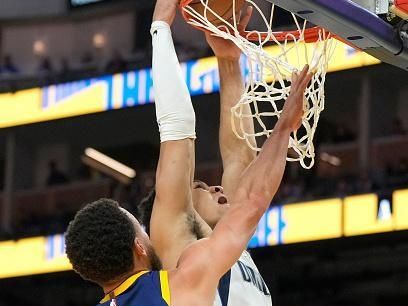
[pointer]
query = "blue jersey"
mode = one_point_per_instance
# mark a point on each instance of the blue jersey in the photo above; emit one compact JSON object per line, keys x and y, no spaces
{"x":142,"y":289}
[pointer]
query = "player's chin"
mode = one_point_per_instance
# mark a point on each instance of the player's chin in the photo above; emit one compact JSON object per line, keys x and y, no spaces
{"x":222,"y":210}
{"x":223,"y":205}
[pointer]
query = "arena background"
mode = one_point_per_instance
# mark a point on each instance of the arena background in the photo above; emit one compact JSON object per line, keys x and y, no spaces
{"x":75,"y":74}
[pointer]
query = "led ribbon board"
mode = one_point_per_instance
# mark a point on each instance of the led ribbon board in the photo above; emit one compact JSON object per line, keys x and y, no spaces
{"x":129,"y":89}
{"x":292,"y":223}
{"x":33,"y":256}
{"x":332,"y":218}
{"x":79,"y":3}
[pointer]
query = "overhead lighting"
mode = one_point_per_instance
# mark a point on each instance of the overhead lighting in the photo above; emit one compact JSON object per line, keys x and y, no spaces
{"x":330,"y":159}
{"x":99,"y":40}
{"x":39,"y":47}
{"x":108,"y":165}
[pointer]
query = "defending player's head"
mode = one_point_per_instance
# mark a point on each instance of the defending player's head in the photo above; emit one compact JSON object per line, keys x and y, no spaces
{"x":145,"y":208}
{"x":105,"y":243}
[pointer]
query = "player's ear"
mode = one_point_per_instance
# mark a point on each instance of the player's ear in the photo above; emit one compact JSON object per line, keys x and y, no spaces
{"x":139,"y":249}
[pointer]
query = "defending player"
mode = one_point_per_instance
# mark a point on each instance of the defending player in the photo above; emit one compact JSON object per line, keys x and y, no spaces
{"x":107,"y":245}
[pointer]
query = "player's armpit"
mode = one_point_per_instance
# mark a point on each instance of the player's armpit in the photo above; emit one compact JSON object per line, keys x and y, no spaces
{"x":170,"y":237}
{"x":172,"y":208}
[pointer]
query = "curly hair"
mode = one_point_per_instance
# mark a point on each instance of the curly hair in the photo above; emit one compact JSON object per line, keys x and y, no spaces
{"x":144,"y":210}
{"x":99,"y":242}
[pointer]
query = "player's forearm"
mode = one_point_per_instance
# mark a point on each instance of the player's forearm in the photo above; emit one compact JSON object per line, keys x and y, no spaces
{"x":263,"y":177}
{"x":173,"y":178}
{"x":232,"y":87}
{"x":230,"y":78}
{"x":164,"y":11}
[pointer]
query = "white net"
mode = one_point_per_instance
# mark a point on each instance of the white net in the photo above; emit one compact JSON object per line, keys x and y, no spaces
{"x":269,"y":74}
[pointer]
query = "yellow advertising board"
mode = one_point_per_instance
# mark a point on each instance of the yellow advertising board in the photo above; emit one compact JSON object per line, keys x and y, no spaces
{"x":367,"y":214}
{"x":29,"y":106}
{"x":312,"y":221}
{"x":33,"y":256}
{"x":400,"y":214}
{"x":292,"y":223}
{"x":332,"y":218}
{"x":361,"y":216}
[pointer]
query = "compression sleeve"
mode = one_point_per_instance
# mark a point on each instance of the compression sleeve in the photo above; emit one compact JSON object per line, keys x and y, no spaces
{"x":174,"y":111}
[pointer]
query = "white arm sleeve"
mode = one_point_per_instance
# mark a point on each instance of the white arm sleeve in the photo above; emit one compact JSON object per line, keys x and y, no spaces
{"x":174,"y":111}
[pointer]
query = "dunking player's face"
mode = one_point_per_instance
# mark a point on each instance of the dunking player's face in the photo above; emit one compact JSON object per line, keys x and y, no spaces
{"x":210,"y":202}
{"x":152,"y":258}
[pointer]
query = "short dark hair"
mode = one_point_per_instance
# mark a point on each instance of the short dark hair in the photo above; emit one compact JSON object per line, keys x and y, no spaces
{"x":99,"y":242}
{"x":144,"y":215}
{"x":145,"y":208}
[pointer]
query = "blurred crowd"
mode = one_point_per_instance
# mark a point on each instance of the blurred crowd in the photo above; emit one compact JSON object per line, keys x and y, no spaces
{"x":50,"y":71}
{"x":47,"y":71}
{"x":308,"y":186}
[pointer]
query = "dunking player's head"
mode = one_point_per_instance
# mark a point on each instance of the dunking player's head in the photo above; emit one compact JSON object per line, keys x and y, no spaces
{"x":209,"y":201}
{"x":106,"y":244}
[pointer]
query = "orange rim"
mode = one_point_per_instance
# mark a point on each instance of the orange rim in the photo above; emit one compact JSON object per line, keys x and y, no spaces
{"x":310,"y":35}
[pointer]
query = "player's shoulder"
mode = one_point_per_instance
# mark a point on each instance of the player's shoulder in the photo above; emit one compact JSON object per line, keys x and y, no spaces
{"x":145,"y":286}
{"x":245,"y":263}
{"x":193,"y":266}
{"x":246,"y":257}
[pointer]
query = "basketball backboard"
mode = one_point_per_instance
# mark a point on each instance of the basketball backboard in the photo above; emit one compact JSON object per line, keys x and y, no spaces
{"x":357,"y":25}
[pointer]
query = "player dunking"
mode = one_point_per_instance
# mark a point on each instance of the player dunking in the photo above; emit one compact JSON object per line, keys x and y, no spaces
{"x":107,"y":245}
{"x":180,"y":205}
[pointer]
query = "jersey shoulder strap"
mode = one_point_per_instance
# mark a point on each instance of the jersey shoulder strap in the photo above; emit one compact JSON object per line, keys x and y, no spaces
{"x":122,"y":287}
{"x":164,"y":285}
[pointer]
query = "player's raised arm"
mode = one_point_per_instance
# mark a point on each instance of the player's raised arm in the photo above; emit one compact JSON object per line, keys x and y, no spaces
{"x":214,"y":256}
{"x":235,"y":153}
{"x":176,"y":120}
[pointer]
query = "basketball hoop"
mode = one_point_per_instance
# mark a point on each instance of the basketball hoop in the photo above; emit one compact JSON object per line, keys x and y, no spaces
{"x":268,"y":79}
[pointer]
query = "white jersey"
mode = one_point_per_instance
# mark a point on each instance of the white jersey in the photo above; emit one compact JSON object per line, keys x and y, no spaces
{"x":243,"y":285}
